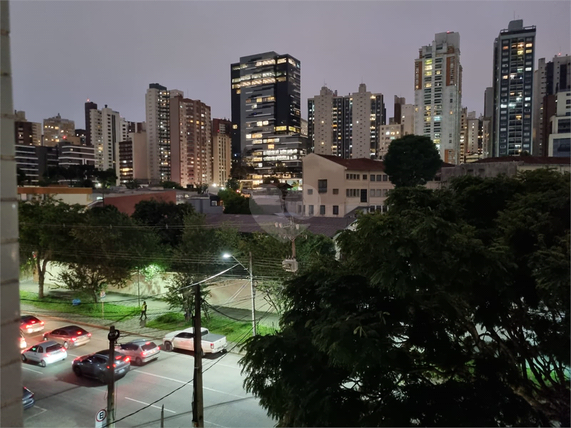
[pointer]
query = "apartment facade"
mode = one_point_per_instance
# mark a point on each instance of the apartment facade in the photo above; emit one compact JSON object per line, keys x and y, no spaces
{"x":388,"y":133}
{"x":514,"y":51}
{"x":107,"y":129}
{"x":559,"y":139}
{"x":57,"y":130}
{"x":266,"y":114}
{"x":71,"y":154}
{"x":157,"y":113}
{"x":133,"y":161}
{"x":221,"y":151}
{"x":346,"y":126}
{"x":438,"y":94}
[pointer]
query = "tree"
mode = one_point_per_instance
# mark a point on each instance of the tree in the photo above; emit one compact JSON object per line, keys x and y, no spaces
{"x":107,"y":248}
{"x":234,"y":202}
{"x":180,"y":295}
{"x":411,"y":161}
{"x":107,"y":178}
{"x":426,"y":323}
{"x":44,"y":234}
{"x":233,"y":184}
{"x":171,"y":185}
{"x":167,"y":218}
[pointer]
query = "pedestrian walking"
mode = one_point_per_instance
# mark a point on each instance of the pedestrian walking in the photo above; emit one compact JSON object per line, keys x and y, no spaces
{"x":144,"y":310}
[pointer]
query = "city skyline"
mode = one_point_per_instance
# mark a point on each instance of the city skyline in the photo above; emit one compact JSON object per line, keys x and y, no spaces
{"x":113,"y":57}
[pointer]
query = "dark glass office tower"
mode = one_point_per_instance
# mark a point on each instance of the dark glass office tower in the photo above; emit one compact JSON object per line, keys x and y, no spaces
{"x":88,"y":107}
{"x":266,"y":113}
{"x":514,"y":50}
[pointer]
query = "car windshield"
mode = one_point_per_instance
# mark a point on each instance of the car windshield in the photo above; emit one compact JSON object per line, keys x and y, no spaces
{"x":148,"y":346}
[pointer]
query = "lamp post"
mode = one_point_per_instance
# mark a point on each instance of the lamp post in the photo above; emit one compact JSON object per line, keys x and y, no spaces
{"x":252,"y":290}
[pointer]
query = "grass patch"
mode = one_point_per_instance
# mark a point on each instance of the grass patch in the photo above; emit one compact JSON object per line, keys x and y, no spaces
{"x":112,"y":311}
{"x":235,"y":331}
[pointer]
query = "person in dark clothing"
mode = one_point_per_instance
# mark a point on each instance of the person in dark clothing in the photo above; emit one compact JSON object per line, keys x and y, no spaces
{"x":144,"y":310}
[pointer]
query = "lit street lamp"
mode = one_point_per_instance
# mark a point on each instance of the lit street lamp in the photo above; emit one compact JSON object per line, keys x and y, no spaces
{"x":253,"y":291}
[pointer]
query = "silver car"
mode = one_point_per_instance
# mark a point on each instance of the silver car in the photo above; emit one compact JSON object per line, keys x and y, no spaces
{"x":69,"y":336}
{"x":140,"y":350}
{"x":45,"y":353}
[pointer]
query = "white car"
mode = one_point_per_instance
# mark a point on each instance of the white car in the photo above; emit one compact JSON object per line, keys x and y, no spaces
{"x":184,"y":339}
{"x":45,"y":353}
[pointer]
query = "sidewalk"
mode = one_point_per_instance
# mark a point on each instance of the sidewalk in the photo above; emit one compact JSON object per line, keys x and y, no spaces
{"x":134,"y":327}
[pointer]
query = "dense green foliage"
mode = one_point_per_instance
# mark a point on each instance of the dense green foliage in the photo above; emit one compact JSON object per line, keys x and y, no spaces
{"x":234,"y":202}
{"x":79,"y":176}
{"x":452,"y":309}
{"x":411,"y":161}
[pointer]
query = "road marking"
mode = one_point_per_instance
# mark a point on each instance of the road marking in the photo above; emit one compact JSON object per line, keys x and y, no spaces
{"x":150,"y":405}
{"x":212,"y":423}
{"x":32,"y":370}
{"x":33,"y":416}
{"x":180,"y":381}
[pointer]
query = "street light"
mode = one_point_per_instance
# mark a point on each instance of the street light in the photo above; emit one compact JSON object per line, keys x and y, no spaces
{"x":253,"y":291}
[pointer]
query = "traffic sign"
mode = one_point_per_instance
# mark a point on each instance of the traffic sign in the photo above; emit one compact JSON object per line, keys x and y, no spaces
{"x":100,"y":418}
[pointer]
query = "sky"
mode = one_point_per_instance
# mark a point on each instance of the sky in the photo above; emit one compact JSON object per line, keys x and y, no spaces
{"x":65,"y":52}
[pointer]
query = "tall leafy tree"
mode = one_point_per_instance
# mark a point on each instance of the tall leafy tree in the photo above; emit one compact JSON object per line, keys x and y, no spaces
{"x":107,"y":248}
{"x":428,"y":322}
{"x":234,"y":202}
{"x":411,"y":161}
{"x":44,"y":229}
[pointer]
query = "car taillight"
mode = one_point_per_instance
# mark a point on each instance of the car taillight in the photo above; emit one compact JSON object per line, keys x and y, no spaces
{"x":42,"y":323}
{"x":144,"y":353}
{"x":79,"y":333}
{"x":127,"y":359}
{"x":73,"y":339}
{"x":28,"y":326}
{"x":212,"y":346}
{"x":48,"y":354}
{"x":88,"y":334}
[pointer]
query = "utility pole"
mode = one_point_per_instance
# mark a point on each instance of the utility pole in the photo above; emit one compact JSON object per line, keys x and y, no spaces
{"x":197,"y":402}
{"x":112,"y":336}
{"x":253,"y":292}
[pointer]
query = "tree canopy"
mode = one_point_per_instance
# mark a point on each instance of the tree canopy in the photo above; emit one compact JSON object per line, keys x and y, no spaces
{"x":434,"y":316}
{"x":411,"y":161}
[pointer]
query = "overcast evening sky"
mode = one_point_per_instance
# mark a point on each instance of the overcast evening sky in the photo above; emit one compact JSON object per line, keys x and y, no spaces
{"x":64,"y":52}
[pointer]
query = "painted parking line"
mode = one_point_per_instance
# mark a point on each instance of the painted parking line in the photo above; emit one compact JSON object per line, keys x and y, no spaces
{"x":212,"y":423}
{"x":180,"y":381}
{"x":37,"y":414}
{"x":31,"y":370}
{"x":150,"y":405}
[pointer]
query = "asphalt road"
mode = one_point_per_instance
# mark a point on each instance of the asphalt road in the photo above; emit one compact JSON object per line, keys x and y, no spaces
{"x":64,"y":400}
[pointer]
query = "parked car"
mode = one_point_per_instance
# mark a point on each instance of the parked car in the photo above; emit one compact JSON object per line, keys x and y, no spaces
{"x":23,"y":342}
{"x":96,"y":365}
{"x":70,"y":335}
{"x":45,"y":353}
{"x":139,"y":350}
{"x":30,"y":324}
{"x":28,"y":398}
{"x":184,"y":339}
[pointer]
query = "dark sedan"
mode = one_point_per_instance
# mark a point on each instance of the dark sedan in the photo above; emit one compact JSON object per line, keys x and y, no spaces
{"x":28,"y":398}
{"x":69,"y":336}
{"x":97,"y":365}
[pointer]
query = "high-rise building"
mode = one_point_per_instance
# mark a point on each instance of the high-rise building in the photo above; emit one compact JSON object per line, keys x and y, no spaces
{"x":221,"y":150}
{"x":88,"y":107}
{"x":108,"y":128}
{"x":514,"y":50}
{"x":549,"y":79}
{"x":388,"y":133}
{"x":29,"y":133}
{"x":57,"y":130}
{"x":559,"y":137}
{"x":157,"y":101}
{"x":438,"y":94}
{"x":191,"y":141}
{"x":346,"y":126}
{"x":133,"y":161}
{"x":266,"y":113}
{"x":71,"y":154}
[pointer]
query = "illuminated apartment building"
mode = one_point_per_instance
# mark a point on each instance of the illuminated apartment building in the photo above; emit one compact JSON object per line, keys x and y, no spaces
{"x":514,"y":50}
{"x":346,"y":126}
{"x":107,"y":129}
{"x":157,"y":101}
{"x":191,"y":141}
{"x":57,"y":130}
{"x":438,"y":94}
{"x":266,"y":114}
{"x":221,"y":150}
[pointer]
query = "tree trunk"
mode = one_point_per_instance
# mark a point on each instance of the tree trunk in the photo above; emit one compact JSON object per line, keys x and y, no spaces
{"x":41,"y":276}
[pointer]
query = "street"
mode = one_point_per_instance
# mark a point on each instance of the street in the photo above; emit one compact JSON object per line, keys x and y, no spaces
{"x":62,"y":399}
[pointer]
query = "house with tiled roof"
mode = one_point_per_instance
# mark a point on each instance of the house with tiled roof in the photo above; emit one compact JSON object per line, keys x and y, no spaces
{"x":337,"y":187}
{"x":506,"y":165}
